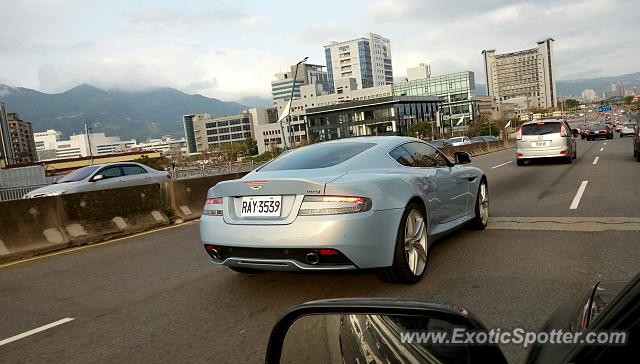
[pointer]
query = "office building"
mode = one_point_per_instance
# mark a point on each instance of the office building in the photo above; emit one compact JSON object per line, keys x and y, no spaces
{"x":24,"y":149}
{"x":418,"y":73}
{"x":368,"y":60}
{"x":457,"y":91}
{"x":307,"y":74}
{"x":204,"y":132}
{"x":166,"y":146}
{"x":6,"y":146}
{"x":589,"y":95}
{"x":49,"y":146}
{"x":529,"y":73}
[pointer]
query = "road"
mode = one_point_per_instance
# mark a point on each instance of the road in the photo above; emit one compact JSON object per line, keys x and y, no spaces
{"x":155,"y":297}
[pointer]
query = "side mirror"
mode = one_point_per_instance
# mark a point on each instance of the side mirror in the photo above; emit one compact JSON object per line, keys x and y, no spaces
{"x":393,"y":331}
{"x":97,"y":177}
{"x":576,"y":132}
{"x":462,"y":157}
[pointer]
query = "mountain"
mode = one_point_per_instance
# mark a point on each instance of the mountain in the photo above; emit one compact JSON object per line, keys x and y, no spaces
{"x":257,"y":101}
{"x":128,"y":114}
{"x":574,"y":88}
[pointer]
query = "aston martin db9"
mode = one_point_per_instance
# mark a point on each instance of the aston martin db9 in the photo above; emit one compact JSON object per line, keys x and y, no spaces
{"x":358,"y":203}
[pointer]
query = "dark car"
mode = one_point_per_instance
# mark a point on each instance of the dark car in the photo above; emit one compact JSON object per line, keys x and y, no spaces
{"x":636,"y":143}
{"x":584,"y":131}
{"x":388,"y":330}
{"x":440,"y":143}
{"x":599,"y":131}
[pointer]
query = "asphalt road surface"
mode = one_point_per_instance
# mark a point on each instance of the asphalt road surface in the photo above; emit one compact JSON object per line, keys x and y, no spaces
{"x":156,"y":298}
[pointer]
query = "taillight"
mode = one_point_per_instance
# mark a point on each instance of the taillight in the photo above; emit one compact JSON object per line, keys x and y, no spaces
{"x":519,"y":135}
{"x":333,"y":205}
{"x":169,"y":176}
{"x":563,"y":131}
{"x":213,"y":206}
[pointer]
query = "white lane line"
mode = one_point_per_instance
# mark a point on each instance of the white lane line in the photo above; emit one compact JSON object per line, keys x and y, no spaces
{"x":500,"y":165}
{"x":595,"y":161}
{"x":602,"y":149}
{"x":35,"y":331}
{"x":576,"y":200}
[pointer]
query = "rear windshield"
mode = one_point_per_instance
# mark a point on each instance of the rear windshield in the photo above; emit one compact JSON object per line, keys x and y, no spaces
{"x":317,"y":156}
{"x":540,"y":128}
{"x":78,"y":174}
{"x":600,"y":127}
{"x":455,"y":140}
{"x":630,"y":126}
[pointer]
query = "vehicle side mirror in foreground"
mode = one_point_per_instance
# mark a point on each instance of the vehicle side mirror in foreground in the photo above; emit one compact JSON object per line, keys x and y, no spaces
{"x":392,"y":331}
{"x":575,"y":132}
{"x":462,"y":157}
{"x":97,"y":177}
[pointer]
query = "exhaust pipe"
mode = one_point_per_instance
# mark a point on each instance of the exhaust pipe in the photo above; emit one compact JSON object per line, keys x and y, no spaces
{"x":312,"y":258}
{"x":214,"y":253}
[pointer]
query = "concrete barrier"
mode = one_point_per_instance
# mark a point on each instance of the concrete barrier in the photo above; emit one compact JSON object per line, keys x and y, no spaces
{"x":34,"y":226}
{"x":188,"y":195}
{"x":98,"y":215}
{"x":29,"y":227}
{"x":477,"y":149}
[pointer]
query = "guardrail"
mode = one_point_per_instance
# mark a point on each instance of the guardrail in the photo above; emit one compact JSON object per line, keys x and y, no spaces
{"x":16,"y":193}
{"x":209,"y":171}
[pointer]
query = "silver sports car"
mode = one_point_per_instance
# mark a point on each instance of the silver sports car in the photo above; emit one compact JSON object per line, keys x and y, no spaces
{"x":357,"y":203}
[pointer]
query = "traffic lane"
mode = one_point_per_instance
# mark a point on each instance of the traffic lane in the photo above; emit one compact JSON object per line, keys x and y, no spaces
{"x":612,"y":182}
{"x":489,"y":161}
{"x":188,"y":310}
{"x":544,"y":187}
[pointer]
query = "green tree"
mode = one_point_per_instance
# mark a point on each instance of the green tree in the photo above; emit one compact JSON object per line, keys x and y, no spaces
{"x":231,"y":151}
{"x":484,"y":117}
{"x":488,"y":129}
{"x":420,"y":129}
{"x":150,"y":162}
{"x":571,"y":104}
{"x":250,"y":146}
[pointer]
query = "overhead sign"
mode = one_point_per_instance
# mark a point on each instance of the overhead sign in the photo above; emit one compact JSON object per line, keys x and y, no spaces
{"x":605,"y":108}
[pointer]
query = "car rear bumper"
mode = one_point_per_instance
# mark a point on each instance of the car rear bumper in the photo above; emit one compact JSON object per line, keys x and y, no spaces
{"x":550,"y":152}
{"x":597,"y":136}
{"x":367,"y":240}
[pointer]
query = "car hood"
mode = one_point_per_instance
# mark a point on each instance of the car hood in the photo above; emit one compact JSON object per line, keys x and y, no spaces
{"x":52,"y":188}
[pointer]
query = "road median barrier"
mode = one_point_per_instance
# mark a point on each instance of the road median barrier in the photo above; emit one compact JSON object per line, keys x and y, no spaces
{"x":476,"y":149}
{"x":188,"y":195}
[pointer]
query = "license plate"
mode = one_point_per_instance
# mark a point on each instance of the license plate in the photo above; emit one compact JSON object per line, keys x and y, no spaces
{"x":543,"y":143}
{"x":261,"y":206}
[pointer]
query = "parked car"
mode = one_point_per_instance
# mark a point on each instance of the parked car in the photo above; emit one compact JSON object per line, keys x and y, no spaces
{"x":599,"y":131}
{"x":483,"y":138}
{"x":552,"y":138}
{"x":102,"y":177}
{"x":627,"y":129}
{"x":456,"y":141}
{"x":440,"y":143}
{"x":357,"y":203}
{"x":364,"y":330}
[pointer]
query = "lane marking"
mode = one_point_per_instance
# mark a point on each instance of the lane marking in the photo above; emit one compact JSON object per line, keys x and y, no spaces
{"x":565,"y":223}
{"x":605,"y":143}
{"x":35,"y":331}
{"x":595,"y":161}
{"x":500,"y":165}
{"x":71,"y":250}
{"x":576,"y":200}
{"x":602,"y":149}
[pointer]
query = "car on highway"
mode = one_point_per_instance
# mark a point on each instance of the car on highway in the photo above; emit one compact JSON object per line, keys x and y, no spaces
{"x":550,"y":138}
{"x":636,"y":143}
{"x":584,"y":131}
{"x":483,"y":138}
{"x":440,"y":143}
{"x":627,"y":129}
{"x":356,"y":203}
{"x":599,"y":131}
{"x":462,"y":140}
{"x":102,"y":177}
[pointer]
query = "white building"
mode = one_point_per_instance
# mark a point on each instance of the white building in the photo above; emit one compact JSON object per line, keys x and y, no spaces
{"x":368,"y":60}
{"x":166,"y":145}
{"x":589,"y":95}
{"x":207,"y":132}
{"x":529,"y":74}
{"x":418,"y":73}
{"x":49,"y":146}
{"x":307,"y":74}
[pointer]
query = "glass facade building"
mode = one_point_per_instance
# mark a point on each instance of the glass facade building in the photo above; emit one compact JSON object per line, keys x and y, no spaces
{"x":392,"y":115}
{"x":456,"y":90}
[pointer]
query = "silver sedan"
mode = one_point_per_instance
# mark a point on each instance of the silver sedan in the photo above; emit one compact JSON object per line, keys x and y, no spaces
{"x":102,"y":177}
{"x":357,"y":203}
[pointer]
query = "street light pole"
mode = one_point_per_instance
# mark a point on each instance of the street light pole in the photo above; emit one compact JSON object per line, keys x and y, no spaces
{"x":293,"y":86}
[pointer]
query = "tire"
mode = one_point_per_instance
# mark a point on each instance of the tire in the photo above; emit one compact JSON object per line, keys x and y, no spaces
{"x":568,"y":160}
{"x":481,"y":219}
{"x":520,"y":162}
{"x":635,"y":152}
{"x":575,"y":154}
{"x":401,"y":271}
{"x":245,"y":270}
{"x":637,"y":156}
{"x":588,"y":139}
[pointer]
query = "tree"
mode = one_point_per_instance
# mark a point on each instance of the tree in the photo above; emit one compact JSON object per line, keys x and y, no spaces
{"x":571,"y":104}
{"x":484,"y":117}
{"x":420,"y":129}
{"x":231,"y":151}
{"x":489,"y":129}
{"x":151,"y":163}
{"x":250,"y":146}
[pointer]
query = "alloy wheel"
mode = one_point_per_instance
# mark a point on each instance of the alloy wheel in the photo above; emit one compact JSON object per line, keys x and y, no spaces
{"x":415,"y":242}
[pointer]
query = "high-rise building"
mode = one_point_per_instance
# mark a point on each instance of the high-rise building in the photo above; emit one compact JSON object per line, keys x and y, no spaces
{"x":6,"y":146}
{"x":528,"y":74}
{"x":368,"y":60}
{"x":589,"y":94}
{"x":307,"y":74}
{"x":24,"y":147}
{"x":205,"y":132}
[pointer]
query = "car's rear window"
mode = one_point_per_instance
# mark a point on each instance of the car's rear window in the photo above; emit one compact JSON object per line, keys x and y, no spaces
{"x":78,"y":174}
{"x":541,"y":128}
{"x":600,"y":127}
{"x":317,"y":156}
{"x":630,"y":126}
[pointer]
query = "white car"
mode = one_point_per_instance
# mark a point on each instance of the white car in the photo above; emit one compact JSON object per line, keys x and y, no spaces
{"x":463,"y":140}
{"x":102,"y":177}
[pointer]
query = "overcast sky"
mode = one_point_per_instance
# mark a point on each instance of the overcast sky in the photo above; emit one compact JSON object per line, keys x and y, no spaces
{"x":231,"y":49}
